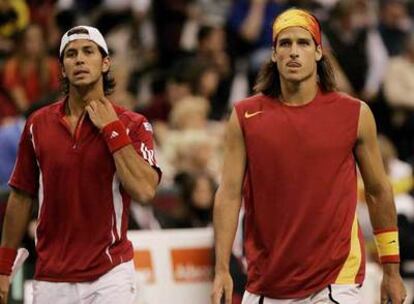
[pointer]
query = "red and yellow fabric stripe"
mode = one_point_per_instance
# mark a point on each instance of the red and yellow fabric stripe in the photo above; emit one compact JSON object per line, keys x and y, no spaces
{"x":387,"y":245}
{"x":297,"y":17}
{"x":352,"y":265}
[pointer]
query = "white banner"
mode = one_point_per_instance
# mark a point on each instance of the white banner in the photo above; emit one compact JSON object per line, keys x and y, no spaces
{"x":173,"y":266}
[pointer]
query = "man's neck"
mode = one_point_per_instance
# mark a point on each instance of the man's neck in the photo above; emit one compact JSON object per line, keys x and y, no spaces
{"x":297,"y":94}
{"x":79,"y":99}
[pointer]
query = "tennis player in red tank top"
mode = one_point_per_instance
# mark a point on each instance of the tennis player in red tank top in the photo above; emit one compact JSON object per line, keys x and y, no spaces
{"x":291,"y":156}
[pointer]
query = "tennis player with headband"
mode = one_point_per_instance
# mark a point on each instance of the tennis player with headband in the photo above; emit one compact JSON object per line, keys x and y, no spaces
{"x":291,"y":155}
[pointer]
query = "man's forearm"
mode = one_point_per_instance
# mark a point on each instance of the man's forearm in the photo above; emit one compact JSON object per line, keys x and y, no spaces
{"x":381,"y":207}
{"x":135,"y":174}
{"x":16,"y":219}
{"x":383,"y":216}
{"x":226,"y":213}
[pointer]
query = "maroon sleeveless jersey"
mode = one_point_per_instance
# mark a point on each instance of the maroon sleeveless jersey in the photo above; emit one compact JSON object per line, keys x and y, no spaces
{"x":300,"y":195}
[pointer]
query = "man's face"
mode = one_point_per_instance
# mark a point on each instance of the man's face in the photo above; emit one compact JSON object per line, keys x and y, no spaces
{"x":83,"y":63}
{"x":296,"y":54}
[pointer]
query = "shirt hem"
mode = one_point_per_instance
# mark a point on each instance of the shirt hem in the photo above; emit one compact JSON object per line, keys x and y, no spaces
{"x":78,"y":279}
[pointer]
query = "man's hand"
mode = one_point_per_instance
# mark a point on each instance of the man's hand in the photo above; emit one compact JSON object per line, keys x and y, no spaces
{"x":101,"y":112}
{"x":223,"y":284}
{"x":392,"y":287}
{"x":4,"y":288}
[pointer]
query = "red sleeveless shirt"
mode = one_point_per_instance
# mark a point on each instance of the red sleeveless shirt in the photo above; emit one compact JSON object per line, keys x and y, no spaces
{"x":300,"y":195}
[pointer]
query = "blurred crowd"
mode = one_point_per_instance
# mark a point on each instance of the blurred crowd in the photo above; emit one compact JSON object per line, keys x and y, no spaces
{"x":183,"y":63}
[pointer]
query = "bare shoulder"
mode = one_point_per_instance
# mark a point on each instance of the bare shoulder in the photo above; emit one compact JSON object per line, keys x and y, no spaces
{"x":233,"y":126}
{"x":366,"y":125}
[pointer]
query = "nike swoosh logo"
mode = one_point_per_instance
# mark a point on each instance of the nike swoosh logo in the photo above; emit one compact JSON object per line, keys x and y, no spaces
{"x":248,"y":115}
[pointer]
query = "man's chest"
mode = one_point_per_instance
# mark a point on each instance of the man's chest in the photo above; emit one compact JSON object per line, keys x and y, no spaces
{"x":58,"y":149}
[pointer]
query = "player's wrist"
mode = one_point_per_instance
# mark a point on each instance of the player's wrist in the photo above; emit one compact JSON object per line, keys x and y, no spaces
{"x":391,"y":269}
{"x":115,"y":135}
{"x":386,"y":240}
{"x":7,"y":257}
{"x":221,"y":268}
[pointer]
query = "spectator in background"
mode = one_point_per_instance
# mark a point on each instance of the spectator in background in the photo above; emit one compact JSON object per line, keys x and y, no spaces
{"x":197,"y":193}
{"x":212,"y":49}
{"x":31,"y":74}
{"x":178,"y":85}
{"x":169,"y":19}
{"x":214,"y":11}
{"x":192,"y":144}
{"x":394,"y":25}
{"x":250,"y":23}
{"x":9,"y":140}
{"x":398,"y":92}
{"x":206,"y":80}
{"x":347,"y":34}
{"x":14,"y":17}
{"x":121,"y":73}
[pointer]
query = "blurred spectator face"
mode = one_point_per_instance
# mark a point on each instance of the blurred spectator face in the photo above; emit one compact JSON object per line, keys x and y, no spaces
{"x":83,"y":63}
{"x":176,"y":91}
{"x":190,"y":113}
{"x":209,"y":81}
{"x":394,"y":14}
{"x":214,"y":42}
{"x":202,"y":195}
{"x":33,"y":41}
{"x":194,"y":156}
{"x":296,"y":54}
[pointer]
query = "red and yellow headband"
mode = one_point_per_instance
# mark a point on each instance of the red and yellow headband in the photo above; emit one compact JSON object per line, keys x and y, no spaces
{"x":297,"y":17}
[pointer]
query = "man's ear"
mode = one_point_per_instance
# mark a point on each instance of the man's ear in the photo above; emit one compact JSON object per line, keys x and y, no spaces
{"x":274,"y":55}
{"x":318,"y":53}
{"x":106,"y":64}
{"x":62,"y":71}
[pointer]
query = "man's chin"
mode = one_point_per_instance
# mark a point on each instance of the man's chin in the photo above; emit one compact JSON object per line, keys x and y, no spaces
{"x":81,"y":83}
{"x":296,"y":78}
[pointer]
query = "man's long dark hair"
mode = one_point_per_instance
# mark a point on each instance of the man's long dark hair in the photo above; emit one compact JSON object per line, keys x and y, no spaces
{"x":108,"y":80}
{"x":268,"y":79}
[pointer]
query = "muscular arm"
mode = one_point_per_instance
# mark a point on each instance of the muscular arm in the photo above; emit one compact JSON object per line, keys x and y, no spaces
{"x":16,"y":219}
{"x":378,"y":190}
{"x":228,"y":197}
{"x":137,"y":177}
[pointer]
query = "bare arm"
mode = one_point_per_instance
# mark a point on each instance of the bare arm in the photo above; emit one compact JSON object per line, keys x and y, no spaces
{"x":378,"y":190}
{"x":379,"y":196}
{"x":16,"y":219}
{"x":227,"y":206}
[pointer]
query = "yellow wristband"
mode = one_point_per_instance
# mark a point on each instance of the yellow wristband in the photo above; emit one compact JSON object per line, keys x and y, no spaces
{"x":387,"y":245}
